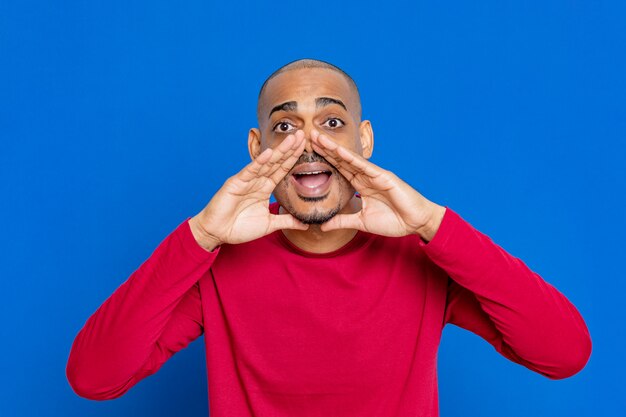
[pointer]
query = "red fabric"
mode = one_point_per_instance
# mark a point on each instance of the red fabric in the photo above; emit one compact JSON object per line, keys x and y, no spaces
{"x":354,"y":332}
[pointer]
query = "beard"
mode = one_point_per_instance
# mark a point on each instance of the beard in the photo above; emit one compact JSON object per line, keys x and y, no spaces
{"x":315,"y":215}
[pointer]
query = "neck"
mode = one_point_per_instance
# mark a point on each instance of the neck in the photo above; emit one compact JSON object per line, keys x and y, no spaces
{"x":314,"y":240}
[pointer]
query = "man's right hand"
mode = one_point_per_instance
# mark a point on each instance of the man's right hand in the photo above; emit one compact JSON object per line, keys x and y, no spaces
{"x":239,"y":211}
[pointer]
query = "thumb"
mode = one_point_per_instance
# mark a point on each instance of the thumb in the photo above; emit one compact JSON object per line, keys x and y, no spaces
{"x":285,"y":221}
{"x":343,"y":221}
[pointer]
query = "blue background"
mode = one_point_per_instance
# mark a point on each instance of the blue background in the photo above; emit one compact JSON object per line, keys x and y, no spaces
{"x":120,"y":119}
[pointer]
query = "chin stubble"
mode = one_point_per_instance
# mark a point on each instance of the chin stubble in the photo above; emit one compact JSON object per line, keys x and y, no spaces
{"x":317,"y":217}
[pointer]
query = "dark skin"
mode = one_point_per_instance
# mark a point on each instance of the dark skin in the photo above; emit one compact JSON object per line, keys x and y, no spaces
{"x":314,"y":121}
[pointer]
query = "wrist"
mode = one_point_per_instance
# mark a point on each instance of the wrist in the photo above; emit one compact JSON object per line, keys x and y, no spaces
{"x":204,"y":238}
{"x":429,"y":228}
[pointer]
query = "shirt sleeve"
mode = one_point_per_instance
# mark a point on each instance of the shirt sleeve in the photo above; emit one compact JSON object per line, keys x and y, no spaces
{"x":151,"y":316}
{"x":496,"y":296}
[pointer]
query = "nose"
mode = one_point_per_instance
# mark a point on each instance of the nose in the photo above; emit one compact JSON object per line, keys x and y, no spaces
{"x":308,"y":147}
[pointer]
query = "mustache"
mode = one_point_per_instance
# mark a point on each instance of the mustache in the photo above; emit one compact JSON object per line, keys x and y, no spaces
{"x":312,"y":157}
{"x":307,"y":157}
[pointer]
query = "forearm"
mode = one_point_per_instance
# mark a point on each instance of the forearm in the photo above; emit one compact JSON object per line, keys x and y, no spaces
{"x":120,"y":337}
{"x":537,"y":324}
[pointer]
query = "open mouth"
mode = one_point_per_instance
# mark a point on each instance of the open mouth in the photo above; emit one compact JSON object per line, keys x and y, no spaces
{"x":312,"y":180}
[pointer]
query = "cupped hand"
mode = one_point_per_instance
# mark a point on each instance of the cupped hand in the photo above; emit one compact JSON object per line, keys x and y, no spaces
{"x":389,"y":206}
{"x":239,"y":211}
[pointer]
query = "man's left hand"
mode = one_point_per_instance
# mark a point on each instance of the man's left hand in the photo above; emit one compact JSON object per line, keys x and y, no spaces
{"x":390,"y":207}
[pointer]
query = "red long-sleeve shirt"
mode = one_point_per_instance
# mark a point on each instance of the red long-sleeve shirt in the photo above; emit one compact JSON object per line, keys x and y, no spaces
{"x":353,"y":332}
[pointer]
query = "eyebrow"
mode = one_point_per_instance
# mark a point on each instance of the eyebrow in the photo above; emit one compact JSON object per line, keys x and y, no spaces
{"x":319,"y":102}
{"x":327,"y":101}
{"x":286,"y":106}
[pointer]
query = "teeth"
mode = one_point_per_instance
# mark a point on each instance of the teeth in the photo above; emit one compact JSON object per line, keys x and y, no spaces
{"x":310,"y":173}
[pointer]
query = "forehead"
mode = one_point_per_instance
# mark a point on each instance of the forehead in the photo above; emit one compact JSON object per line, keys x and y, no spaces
{"x":304,"y":85}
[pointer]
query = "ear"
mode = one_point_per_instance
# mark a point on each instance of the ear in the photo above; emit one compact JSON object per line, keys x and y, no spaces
{"x":367,"y":138}
{"x":254,"y":142}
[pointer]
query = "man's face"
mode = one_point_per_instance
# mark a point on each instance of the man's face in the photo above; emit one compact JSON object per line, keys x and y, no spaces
{"x":305,"y":99}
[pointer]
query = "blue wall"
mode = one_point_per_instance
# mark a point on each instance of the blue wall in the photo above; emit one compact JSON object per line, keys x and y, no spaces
{"x":120,"y":119}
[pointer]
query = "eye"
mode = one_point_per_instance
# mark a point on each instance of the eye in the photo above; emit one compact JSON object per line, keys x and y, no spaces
{"x":334,"y":123}
{"x":283,"y":127}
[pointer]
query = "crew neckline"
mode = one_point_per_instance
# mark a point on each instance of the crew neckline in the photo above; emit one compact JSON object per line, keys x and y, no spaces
{"x":358,"y":240}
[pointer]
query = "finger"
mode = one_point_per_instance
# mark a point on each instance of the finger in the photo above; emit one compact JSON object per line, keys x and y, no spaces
{"x":343,"y":221}
{"x":285,"y":221}
{"x":349,"y":160}
{"x":271,"y":159}
{"x":359,"y":163}
{"x":341,"y":167}
{"x":290,"y":160}
{"x":331,"y":156}
{"x":298,"y":142}
{"x":252,"y":170}
{"x":279,"y":153}
{"x":329,"y":150}
{"x":288,"y":157}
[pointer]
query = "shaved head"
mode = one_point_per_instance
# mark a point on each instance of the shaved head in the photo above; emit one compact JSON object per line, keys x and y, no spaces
{"x":309,"y":63}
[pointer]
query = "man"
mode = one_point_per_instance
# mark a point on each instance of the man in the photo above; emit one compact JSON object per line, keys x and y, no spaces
{"x":329,"y":302}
